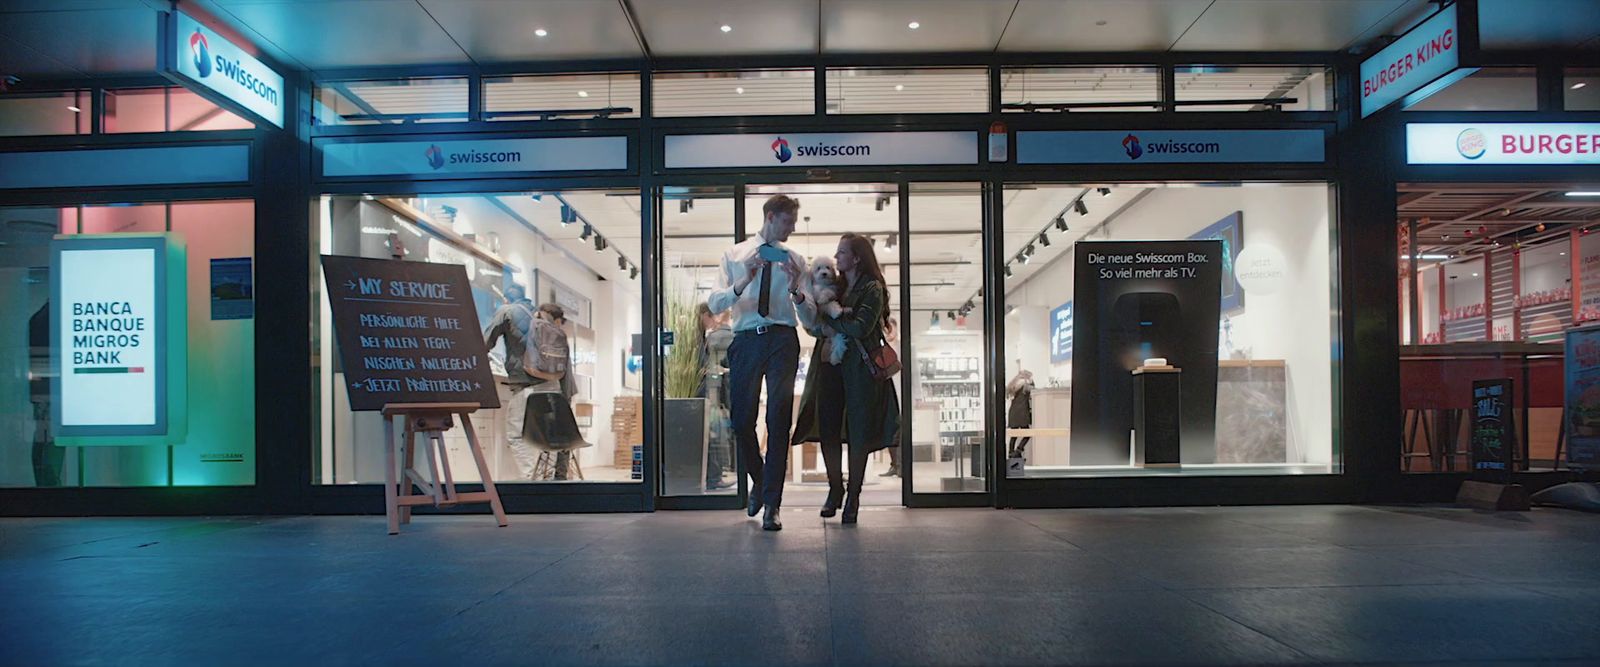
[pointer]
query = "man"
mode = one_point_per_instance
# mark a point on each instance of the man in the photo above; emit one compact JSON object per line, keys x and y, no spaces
{"x":759,"y":285}
{"x":512,"y":323}
{"x":546,"y":358}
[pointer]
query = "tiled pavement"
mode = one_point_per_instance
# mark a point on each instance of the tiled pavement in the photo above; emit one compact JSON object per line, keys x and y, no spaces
{"x":1260,"y":585}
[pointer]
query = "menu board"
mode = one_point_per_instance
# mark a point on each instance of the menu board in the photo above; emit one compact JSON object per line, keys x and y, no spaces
{"x":1493,"y":438}
{"x":408,"y":332}
{"x":1583,"y":398}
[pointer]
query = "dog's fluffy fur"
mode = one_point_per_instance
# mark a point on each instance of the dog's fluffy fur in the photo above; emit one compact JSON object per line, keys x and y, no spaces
{"x":822,"y":286}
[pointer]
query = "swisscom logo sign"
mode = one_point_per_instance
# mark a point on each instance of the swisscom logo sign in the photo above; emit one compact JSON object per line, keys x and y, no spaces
{"x":780,"y":150}
{"x":1175,"y":146}
{"x":199,"y":58}
{"x":820,"y":149}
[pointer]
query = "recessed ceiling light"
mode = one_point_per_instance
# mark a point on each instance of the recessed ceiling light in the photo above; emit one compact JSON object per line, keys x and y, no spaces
{"x":583,"y":93}
{"x":74,"y":109}
{"x":913,"y":25}
{"x":739,"y":90}
{"x":727,"y":28}
{"x":899,"y":86}
{"x":1578,"y":85}
{"x":1474,"y":275}
{"x":540,"y":32}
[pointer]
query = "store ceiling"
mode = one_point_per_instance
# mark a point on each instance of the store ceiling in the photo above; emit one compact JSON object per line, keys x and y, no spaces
{"x":1466,"y":219}
{"x":70,"y":38}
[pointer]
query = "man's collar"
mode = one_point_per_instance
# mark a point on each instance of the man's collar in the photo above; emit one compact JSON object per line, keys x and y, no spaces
{"x":762,"y":237}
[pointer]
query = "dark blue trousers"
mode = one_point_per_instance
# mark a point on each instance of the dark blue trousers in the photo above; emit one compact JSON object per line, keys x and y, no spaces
{"x":773,"y":357}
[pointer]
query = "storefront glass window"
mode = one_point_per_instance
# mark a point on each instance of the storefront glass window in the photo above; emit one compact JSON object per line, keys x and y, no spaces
{"x":166,"y":109}
{"x":1082,"y":89}
{"x":1488,"y":89}
{"x":219,"y":449}
{"x":1581,"y":89}
{"x":1209,"y":305}
{"x":751,"y":92}
{"x":1254,"y":88}
{"x":577,"y":249}
{"x":866,"y":90}
{"x":1488,"y":291}
{"x":391,"y":101}
{"x":55,"y":112}
{"x":558,"y":96}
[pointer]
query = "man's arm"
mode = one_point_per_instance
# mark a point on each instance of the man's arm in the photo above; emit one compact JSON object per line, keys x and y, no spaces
{"x":733,"y":283}
{"x":492,"y":334}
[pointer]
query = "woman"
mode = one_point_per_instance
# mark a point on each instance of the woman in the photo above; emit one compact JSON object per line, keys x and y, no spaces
{"x":871,"y":411}
{"x":822,"y":412}
{"x":1020,"y":391}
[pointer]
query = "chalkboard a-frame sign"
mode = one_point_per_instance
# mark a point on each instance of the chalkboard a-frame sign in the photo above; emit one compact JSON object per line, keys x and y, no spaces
{"x":408,"y":333}
{"x":1494,"y":434}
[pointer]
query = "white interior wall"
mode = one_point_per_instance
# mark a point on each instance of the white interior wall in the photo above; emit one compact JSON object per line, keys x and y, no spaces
{"x":1294,"y":324}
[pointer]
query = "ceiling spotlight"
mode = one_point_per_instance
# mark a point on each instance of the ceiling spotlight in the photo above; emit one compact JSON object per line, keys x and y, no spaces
{"x":739,"y":90}
{"x":913,"y":25}
{"x":683,"y":207}
{"x":633,"y":272}
{"x":1578,"y":85}
{"x":893,"y":240}
{"x":74,"y":109}
{"x":1022,"y":257}
{"x":969,"y":305}
{"x":727,"y":28}
{"x":583,"y":93}
{"x":899,"y":86}
{"x":1008,"y":271}
{"x":1061,"y":223}
{"x":1104,"y":192}
{"x":541,"y":32}
{"x":1044,"y":239}
{"x":1080,"y":207}
{"x":568,"y":216}
{"x":587,"y":232}
{"x":622,"y":263}
{"x":880,"y":203}
{"x":1028,"y":251}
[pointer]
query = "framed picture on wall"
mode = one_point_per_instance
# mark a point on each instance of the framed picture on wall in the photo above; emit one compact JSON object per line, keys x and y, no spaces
{"x":1229,"y":230}
{"x":576,"y":305}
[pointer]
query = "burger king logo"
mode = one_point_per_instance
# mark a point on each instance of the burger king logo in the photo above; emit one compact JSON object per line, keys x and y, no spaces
{"x":1471,"y":143}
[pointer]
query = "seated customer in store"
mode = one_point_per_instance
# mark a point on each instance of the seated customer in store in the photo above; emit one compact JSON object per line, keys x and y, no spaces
{"x":715,"y":339}
{"x":871,"y":409}
{"x":550,"y":424}
{"x":511,"y":324}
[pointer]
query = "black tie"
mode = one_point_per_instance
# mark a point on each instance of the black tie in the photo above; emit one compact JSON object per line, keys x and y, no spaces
{"x":766,"y":288}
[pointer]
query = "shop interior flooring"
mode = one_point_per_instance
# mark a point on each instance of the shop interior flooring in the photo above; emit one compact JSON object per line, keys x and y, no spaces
{"x":1257,"y":585}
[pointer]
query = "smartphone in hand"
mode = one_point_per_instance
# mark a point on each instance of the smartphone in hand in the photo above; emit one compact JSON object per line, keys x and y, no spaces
{"x":774,"y":254}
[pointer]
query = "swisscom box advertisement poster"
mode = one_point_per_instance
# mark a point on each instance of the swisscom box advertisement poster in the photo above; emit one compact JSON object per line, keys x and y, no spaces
{"x":1136,"y":300}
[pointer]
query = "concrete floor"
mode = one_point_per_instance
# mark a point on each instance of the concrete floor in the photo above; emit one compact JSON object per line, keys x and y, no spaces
{"x":1271,"y":585}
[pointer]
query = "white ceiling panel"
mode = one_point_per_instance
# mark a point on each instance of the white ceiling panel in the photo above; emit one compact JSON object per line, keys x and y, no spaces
{"x":498,"y":31}
{"x":94,"y":41}
{"x":860,"y":26}
{"x":693,"y":27}
{"x":1559,"y":24}
{"x":350,"y":33}
{"x":1285,"y":25}
{"x":1100,"y":25}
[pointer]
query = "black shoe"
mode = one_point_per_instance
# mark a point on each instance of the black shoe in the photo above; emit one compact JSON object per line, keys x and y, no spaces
{"x":892,"y":472}
{"x":769,"y":521}
{"x":830,"y":508}
{"x":755,"y":502}
{"x":852,"y":506}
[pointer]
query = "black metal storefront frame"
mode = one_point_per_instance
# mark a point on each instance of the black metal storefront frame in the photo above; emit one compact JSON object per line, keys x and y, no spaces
{"x":1364,"y":164}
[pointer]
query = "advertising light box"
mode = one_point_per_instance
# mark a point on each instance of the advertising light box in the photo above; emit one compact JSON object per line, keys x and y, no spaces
{"x":829,"y":149}
{"x":118,"y":322}
{"x":1427,"y":54}
{"x":1503,"y":143}
{"x":200,"y":59}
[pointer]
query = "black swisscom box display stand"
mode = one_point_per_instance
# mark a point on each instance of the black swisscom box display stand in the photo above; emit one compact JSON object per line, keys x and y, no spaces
{"x":408,"y":333}
{"x":1136,"y":300}
{"x":1494,"y":433}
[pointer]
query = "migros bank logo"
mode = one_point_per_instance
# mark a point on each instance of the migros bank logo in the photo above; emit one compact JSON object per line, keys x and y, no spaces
{"x":202,"y":53}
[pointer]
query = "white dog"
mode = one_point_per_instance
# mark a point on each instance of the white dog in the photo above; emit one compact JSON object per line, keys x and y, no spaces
{"x":823,"y":286}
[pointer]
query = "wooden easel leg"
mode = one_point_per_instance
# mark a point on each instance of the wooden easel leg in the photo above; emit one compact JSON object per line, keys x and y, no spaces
{"x":483,"y":471}
{"x":408,"y":454}
{"x":391,"y":507}
{"x":436,"y":440}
